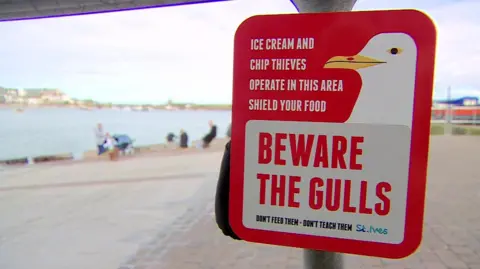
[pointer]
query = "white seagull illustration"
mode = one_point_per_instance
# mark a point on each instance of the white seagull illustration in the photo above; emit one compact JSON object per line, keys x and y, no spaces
{"x":387,"y":67}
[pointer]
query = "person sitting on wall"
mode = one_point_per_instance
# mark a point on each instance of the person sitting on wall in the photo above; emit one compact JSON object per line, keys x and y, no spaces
{"x":170,"y":139}
{"x":183,"y":139}
{"x":208,"y":138}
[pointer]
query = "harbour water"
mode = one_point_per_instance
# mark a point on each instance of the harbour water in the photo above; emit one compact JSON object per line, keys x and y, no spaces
{"x":45,"y":131}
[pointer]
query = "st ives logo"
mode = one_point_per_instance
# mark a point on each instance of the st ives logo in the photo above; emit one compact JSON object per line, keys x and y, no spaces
{"x":371,"y":229}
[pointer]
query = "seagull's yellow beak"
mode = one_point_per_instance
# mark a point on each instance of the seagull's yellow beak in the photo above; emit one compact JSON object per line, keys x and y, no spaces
{"x":351,"y":62}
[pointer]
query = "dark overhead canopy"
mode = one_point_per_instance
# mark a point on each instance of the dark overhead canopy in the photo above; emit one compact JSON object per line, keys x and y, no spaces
{"x":29,"y":9}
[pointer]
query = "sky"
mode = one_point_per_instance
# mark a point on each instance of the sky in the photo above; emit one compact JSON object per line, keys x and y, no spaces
{"x":185,"y":53}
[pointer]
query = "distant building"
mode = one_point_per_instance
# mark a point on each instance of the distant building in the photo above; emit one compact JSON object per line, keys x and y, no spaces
{"x":464,"y":101}
{"x":8,"y":95}
{"x":11,"y":92}
{"x":32,"y":93}
{"x":38,"y":96}
{"x":3,"y":94}
{"x":33,"y":96}
{"x":55,"y":96}
{"x":22,"y":93}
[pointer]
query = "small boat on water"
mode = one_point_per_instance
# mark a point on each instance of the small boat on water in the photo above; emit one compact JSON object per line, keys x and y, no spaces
{"x":19,"y":110}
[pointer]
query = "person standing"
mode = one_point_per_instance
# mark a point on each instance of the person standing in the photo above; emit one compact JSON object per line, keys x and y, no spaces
{"x":183,"y":139}
{"x":100,"y":139}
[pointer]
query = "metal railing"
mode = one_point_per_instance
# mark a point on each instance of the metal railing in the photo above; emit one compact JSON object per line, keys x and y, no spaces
{"x":457,"y":115}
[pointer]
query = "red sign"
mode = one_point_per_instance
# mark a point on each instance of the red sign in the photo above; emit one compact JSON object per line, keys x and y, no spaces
{"x":331,"y":118}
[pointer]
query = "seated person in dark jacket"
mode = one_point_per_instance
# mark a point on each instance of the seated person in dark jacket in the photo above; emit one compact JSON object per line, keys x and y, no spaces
{"x":183,"y":139}
{"x":207,"y":139}
{"x":170,"y":140}
{"x":170,"y":137}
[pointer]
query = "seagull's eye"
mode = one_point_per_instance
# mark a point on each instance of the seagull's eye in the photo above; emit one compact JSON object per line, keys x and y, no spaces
{"x":395,"y":51}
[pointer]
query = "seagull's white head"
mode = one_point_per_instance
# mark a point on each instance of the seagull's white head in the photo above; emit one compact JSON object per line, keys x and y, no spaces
{"x":393,"y":52}
{"x":387,"y":66}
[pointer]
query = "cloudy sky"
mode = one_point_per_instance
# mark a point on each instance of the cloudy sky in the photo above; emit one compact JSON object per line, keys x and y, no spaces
{"x":185,"y":53}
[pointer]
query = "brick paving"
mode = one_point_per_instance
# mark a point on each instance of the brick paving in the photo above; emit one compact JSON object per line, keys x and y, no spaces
{"x":451,"y":233}
{"x":96,"y":214}
{"x":159,"y":210}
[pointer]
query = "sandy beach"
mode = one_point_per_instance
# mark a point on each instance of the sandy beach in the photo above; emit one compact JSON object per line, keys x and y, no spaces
{"x":156,"y":211}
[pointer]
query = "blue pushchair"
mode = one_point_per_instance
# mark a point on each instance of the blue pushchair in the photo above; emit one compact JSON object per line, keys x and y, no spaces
{"x":124,"y":144}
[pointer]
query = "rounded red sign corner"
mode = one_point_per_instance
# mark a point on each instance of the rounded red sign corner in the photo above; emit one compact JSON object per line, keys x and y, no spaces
{"x":245,"y":24}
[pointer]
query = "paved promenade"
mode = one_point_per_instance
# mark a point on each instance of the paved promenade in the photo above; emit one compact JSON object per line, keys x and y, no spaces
{"x":157,"y":212}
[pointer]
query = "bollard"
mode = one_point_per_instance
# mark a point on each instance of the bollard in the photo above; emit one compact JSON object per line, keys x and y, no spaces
{"x":320,"y":259}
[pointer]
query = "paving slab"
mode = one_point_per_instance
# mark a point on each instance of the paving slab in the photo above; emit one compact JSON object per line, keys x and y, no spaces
{"x":96,"y":215}
{"x":451,"y":232}
{"x":157,"y":212}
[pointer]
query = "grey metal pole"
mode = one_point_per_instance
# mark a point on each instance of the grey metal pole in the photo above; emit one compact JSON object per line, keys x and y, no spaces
{"x":475,"y":115}
{"x":312,"y":6}
{"x":313,"y":259}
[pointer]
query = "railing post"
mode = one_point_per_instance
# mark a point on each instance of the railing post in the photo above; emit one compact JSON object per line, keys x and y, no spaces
{"x":448,"y":130}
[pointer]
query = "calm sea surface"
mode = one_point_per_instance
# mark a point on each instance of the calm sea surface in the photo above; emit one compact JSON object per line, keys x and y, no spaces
{"x":43,"y":131}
